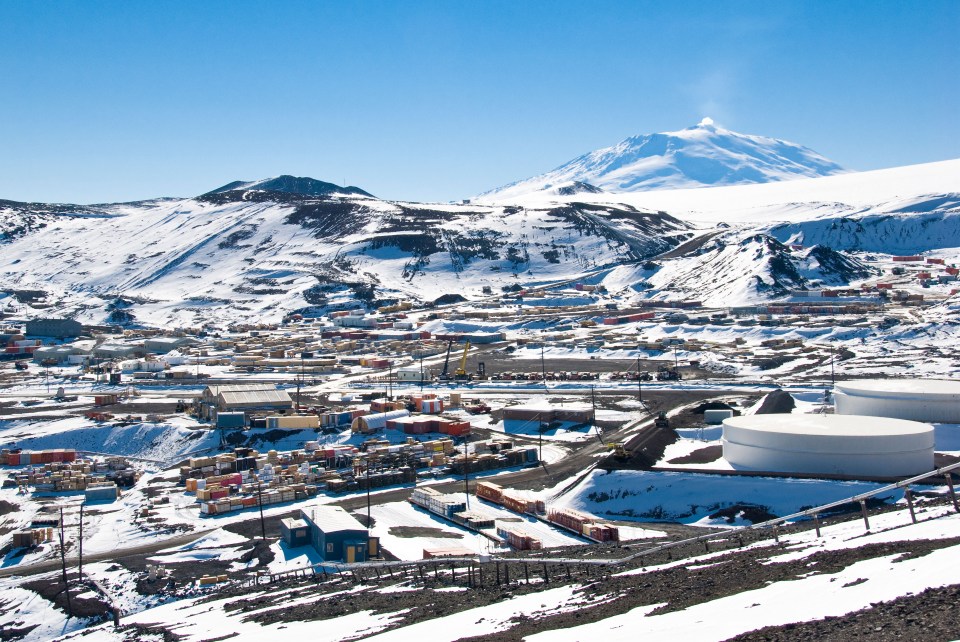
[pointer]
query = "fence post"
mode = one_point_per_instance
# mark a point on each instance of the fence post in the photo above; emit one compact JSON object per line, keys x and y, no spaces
{"x":909,"y":496}
{"x":863,"y":511}
{"x":953,"y":494}
{"x":816,"y":523}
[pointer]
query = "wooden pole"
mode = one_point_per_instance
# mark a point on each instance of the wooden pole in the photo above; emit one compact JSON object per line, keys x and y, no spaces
{"x":63,"y":566}
{"x":909,"y":496}
{"x":953,"y":493}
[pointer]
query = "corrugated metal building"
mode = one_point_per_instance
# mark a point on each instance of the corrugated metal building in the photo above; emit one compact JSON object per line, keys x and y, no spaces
{"x":244,"y":398}
{"x":163,"y":345}
{"x":59,"y":328}
{"x":371,"y":423}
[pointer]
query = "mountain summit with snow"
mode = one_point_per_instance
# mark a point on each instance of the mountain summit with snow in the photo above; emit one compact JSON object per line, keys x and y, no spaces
{"x":705,"y":155}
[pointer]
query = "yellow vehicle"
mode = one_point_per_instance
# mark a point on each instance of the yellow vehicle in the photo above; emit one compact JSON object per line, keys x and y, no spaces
{"x":618,"y":450}
{"x":461,"y":372}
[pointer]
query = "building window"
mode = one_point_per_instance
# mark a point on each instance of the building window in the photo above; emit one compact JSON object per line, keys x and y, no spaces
{"x":329,"y":547}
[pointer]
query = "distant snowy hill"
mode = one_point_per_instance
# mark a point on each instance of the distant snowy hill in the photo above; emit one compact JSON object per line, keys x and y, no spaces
{"x":291,"y":185}
{"x":245,"y":253}
{"x":257,"y":251}
{"x":704,"y":155}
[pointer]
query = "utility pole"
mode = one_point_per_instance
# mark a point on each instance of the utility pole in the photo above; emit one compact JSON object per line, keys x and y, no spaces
{"x":63,"y":566}
{"x":593,"y":402}
{"x":833,"y":380}
{"x":421,"y":369}
{"x":300,"y":382}
{"x":466,"y":469}
{"x":543,"y":369}
{"x":368,"y":498}
{"x":639,"y":380}
{"x":80,"y":541}
{"x":540,"y":440}
{"x":263,"y":528}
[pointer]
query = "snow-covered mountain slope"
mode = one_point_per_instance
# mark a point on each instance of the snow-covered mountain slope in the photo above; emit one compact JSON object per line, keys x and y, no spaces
{"x":257,"y":255}
{"x":910,"y":189}
{"x":704,"y":155}
{"x":734,"y":269}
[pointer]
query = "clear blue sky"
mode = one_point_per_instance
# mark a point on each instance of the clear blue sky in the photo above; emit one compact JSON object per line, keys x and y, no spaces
{"x":107,"y":101}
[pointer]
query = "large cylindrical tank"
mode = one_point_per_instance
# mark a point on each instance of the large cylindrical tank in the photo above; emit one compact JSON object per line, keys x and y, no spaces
{"x":849,"y":445}
{"x":935,"y":400}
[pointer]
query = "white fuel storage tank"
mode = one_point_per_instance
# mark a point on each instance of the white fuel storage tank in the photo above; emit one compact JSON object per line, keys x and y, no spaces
{"x":855,"y":446}
{"x":935,"y":400}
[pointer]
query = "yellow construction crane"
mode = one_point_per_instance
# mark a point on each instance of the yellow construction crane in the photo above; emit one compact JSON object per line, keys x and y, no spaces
{"x":461,"y":373}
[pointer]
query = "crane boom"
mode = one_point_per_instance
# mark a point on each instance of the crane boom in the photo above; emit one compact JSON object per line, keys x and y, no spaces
{"x":461,"y":373}
{"x":446,"y":364}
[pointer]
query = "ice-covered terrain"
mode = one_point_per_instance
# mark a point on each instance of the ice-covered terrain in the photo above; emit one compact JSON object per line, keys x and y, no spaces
{"x":259,"y":250}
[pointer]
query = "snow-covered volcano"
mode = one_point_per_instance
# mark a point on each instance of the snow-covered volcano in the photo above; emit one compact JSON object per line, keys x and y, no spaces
{"x":700,"y":156}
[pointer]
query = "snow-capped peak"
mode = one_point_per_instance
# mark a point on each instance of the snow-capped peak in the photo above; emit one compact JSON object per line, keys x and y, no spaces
{"x":699,"y":156}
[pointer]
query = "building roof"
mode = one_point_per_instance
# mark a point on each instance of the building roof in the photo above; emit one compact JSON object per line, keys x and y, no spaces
{"x":945,"y":389}
{"x":245,"y":387}
{"x":254,"y":397}
{"x":825,"y":426}
{"x":332,"y":519}
{"x":291,"y":523}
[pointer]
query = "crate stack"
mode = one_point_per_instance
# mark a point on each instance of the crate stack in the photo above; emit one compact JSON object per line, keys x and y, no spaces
{"x":584,"y":524}
{"x":251,"y":497}
{"x":437,"y":503}
{"x":489,"y":461}
{"x":30,"y":537}
{"x":512,"y":500}
{"x":61,"y":477}
{"x":489,"y":491}
{"x":33,"y":458}
{"x":519,"y":539}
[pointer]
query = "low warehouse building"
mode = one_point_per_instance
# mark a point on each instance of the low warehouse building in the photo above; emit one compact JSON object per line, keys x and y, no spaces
{"x":338,"y":536}
{"x":243,"y":398}
{"x":935,"y":400}
{"x":849,"y":445}
{"x":372,"y":423}
{"x":57,"y":328}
